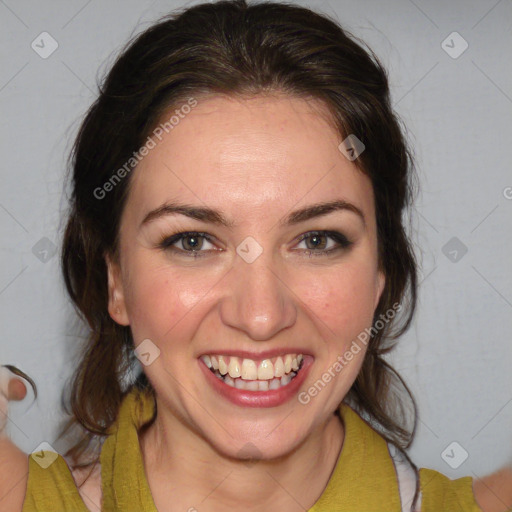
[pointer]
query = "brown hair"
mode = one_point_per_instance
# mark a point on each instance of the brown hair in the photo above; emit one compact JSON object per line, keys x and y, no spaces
{"x":233,"y":48}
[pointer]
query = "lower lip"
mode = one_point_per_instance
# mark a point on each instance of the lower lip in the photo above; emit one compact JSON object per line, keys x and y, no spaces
{"x":270,"y":398}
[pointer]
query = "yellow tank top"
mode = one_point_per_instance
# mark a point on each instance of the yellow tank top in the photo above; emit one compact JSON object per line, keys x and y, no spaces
{"x":363,"y":480}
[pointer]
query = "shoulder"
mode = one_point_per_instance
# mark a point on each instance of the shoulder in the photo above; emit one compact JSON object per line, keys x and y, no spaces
{"x":437,"y":489}
{"x":494,"y":492}
{"x":50,"y":482}
{"x":13,"y":475}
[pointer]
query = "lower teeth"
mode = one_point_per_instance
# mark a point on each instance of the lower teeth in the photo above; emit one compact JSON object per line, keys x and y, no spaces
{"x":256,"y":385}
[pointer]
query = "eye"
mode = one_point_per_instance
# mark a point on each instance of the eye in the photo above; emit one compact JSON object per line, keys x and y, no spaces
{"x":317,"y":242}
{"x":192,"y":243}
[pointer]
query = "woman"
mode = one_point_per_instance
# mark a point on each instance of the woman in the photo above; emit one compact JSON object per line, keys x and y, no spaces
{"x":238,"y":190}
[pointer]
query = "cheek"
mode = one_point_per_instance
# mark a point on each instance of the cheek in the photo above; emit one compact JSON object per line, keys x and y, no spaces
{"x":159,"y":301}
{"x":342,"y":301}
{"x":163,"y":301}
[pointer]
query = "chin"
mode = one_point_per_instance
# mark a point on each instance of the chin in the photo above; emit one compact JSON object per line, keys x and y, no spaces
{"x":252,"y":447}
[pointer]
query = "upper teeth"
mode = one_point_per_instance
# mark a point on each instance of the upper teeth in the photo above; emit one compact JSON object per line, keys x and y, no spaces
{"x":249,"y":369}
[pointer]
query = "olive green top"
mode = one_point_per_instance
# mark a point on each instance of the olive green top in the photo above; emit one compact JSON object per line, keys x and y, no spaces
{"x":364,"y":478}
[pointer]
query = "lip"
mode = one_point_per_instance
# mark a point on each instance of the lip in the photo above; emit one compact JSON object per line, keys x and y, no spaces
{"x":270,"y":398}
{"x":258,"y":356}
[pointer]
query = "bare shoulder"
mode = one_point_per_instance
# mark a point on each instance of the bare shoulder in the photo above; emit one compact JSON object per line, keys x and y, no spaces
{"x":493,"y":493}
{"x":13,"y":475}
{"x":88,"y":482}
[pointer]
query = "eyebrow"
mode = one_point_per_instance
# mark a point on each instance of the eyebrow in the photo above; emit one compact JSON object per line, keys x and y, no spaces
{"x":213,"y":216}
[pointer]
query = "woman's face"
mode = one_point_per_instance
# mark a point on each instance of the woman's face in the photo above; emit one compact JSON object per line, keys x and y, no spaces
{"x":256,"y":288}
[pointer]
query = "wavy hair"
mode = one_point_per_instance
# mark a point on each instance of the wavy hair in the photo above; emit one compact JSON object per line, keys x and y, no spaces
{"x":236,"y":49}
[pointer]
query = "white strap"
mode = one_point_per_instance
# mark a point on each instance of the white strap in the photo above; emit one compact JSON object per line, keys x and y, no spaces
{"x":407,"y":479}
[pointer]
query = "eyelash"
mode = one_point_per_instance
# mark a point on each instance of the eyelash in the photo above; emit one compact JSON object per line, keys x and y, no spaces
{"x":168,"y":242}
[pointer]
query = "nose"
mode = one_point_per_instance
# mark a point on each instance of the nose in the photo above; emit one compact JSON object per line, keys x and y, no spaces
{"x":259,"y":302}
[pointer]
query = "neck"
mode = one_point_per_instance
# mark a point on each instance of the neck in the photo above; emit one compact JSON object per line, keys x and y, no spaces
{"x":192,"y":473}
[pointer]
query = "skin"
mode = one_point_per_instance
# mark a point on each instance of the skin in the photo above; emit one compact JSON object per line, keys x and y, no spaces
{"x":16,"y":390}
{"x":13,"y":462}
{"x":255,"y":160}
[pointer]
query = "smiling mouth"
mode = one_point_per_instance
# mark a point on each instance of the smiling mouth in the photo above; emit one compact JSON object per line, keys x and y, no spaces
{"x":246,"y":374}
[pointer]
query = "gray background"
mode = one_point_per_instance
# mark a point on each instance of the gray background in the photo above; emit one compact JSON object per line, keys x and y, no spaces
{"x":458,"y":354}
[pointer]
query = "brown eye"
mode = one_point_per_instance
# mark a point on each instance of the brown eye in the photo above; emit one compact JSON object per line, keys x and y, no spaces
{"x":316,"y":241}
{"x":192,"y":243}
{"x":321,"y":243}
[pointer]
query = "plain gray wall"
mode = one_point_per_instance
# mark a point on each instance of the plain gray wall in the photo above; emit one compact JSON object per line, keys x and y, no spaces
{"x":457,"y":355}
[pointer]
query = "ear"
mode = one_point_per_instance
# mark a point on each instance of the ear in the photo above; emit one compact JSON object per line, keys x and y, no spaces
{"x":379,"y":287}
{"x":116,"y":300}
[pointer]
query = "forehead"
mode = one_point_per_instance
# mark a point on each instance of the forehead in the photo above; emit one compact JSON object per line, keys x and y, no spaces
{"x":250,"y":156}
